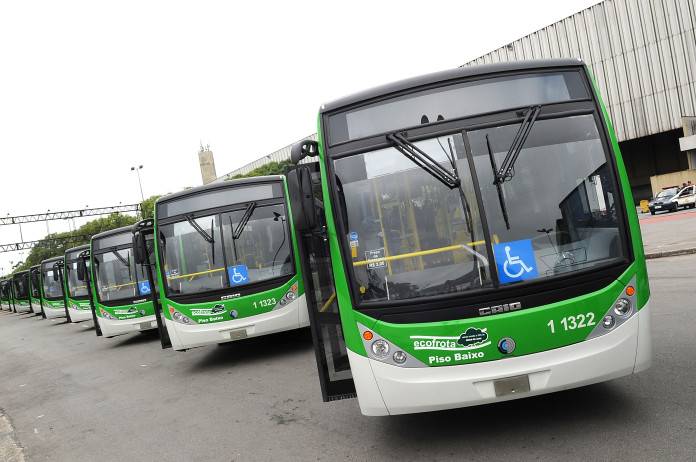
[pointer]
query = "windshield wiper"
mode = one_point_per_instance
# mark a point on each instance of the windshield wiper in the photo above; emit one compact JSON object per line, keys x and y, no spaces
{"x":497,"y":184}
{"x":423,"y":160}
{"x":245,"y":219}
{"x":125,"y":262}
{"x":507,"y":169}
{"x":210,"y":238}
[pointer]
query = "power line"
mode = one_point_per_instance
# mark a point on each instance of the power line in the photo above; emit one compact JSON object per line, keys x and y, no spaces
{"x":69,"y":214}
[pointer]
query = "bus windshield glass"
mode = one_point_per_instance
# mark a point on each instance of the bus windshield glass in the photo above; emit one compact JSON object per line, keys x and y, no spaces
{"x":51,"y":289}
{"x":21,"y":283}
{"x":76,"y":288}
{"x":117,"y":275}
{"x":411,"y":236}
{"x":202,"y":253}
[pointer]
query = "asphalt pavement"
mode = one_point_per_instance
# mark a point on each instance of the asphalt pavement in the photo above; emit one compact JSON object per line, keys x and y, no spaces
{"x":669,"y":233}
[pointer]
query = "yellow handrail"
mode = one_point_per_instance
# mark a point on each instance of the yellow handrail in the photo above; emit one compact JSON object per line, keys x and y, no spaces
{"x":195,"y":274}
{"x":417,"y":254}
{"x":118,"y":287}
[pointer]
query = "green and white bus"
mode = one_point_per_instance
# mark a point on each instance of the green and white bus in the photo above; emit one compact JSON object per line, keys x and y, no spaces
{"x":5,"y":295}
{"x":77,"y":295}
{"x":225,"y":261}
{"x":121,"y":289}
{"x":483,"y":240}
{"x":52,"y":293}
{"x":22,"y":300}
{"x":35,"y":289}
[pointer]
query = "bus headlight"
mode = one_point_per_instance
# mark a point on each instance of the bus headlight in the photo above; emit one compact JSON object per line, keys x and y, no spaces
{"x":291,"y":295}
{"x":622,"y":307}
{"x":608,"y":322}
{"x":180,"y":317}
{"x":380,"y":348}
{"x":399,"y":357}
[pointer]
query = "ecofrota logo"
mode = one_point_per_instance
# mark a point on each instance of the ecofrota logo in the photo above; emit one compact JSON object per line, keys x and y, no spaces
{"x":472,"y":336}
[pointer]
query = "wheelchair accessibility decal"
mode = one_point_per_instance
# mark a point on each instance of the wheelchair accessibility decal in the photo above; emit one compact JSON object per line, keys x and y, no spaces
{"x":144,"y":287}
{"x":238,"y":275}
{"x":515,"y":261}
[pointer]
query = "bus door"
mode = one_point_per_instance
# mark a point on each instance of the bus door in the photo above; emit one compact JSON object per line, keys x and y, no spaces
{"x":304,"y":185}
{"x":145,"y":255}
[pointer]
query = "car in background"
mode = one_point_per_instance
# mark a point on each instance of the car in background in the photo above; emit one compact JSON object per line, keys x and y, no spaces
{"x":671,"y":198}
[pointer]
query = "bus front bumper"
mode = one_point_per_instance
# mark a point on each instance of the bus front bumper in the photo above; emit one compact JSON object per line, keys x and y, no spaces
{"x":292,"y":316}
{"x":384,"y":389}
{"x":79,"y":315}
{"x":52,"y":312}
{"x":112,"y":328}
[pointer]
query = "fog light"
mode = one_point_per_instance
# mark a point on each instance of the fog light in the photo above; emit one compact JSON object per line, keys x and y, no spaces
{"x":622,"y":307}
{"x":380,"y":348}
{"x":399,"y":357}
{"x":608,"y":322}
{"x":142,"y":312}
{"x":291,"y":295}
{"x":233,"y":313}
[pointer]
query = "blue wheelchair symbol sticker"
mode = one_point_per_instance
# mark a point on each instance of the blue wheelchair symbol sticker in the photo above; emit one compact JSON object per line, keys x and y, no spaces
{"x":144,"y":287}
{"x":515,"y":261}
{"x":238,"y":275}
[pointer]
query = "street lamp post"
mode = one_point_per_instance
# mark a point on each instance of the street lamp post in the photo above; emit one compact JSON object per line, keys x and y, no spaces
{"x":137,"y":170}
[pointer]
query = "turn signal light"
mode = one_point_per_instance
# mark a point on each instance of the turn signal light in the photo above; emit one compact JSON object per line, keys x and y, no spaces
{"x":367,"y":335}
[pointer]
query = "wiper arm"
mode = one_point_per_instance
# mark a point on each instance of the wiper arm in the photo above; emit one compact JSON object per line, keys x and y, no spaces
{"x":245,"y":219}
{"x":200,"y":230}
{"x":507,"y":169}
{"x":497,"y":184}
{"x":125,"y":262}
{"x":423,"y":160}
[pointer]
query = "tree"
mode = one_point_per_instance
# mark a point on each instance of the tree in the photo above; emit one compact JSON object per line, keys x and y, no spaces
{"x":57,"y":243}
{"x":147,"y":207}
{"x":271,"y":168}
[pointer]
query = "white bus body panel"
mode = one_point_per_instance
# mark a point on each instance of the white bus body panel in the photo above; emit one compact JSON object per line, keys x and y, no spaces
{"x":384,"y":389}
{"x":112,"y":328}
{"x":292,"y":316}
{"x":78,"y":313}
{"x":53,"y":312}
{"x":22,"y":308}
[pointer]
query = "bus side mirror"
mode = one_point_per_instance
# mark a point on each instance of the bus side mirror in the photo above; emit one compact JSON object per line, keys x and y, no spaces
{"x":81,"y":269}
{"x":139,"y":248}
{"x":304,"y":212}
{"x":55,"y":272}
{"x":302,"y":149}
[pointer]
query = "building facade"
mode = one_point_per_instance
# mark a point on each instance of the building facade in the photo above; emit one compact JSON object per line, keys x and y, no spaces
{"x":642,"y":54}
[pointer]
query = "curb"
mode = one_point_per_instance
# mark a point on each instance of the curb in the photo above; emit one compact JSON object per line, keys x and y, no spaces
{"x":670,"y":253}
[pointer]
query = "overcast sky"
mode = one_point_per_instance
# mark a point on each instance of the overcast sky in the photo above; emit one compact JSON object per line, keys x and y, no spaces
{"x":89,"y":89}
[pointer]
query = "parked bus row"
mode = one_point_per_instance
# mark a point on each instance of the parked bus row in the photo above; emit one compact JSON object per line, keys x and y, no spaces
{"x":461,"y":238}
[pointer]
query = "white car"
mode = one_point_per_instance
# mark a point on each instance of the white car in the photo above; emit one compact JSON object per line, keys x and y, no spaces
{"x":670,"y":199}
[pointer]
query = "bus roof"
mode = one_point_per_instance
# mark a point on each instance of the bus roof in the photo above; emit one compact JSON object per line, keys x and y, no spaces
{"x":112,"y":232}
{"x":219,"y":185}
{"x":443,"y":76}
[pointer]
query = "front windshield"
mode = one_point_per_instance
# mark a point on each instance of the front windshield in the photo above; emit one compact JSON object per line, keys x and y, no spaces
{"x":51,"y":289}
{"x":34,"y":276}
{"x":195,"y":265}
{"x":117,"y":276}
{"x":409,"y":235}
{"x":666,"y":193}
{"x":560,"y":201}
{"x":21,"y":283}
{"x":76,"y":288}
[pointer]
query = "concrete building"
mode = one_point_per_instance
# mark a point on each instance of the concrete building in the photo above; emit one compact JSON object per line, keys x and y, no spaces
{"x":643,"y":56}
{"x":207,"y":163}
